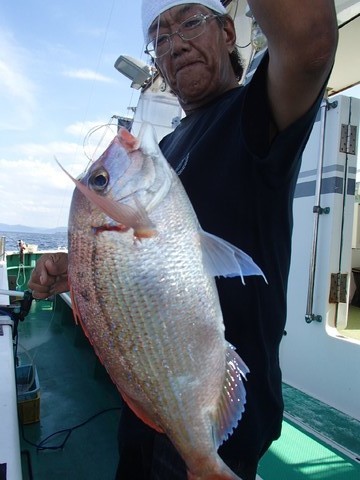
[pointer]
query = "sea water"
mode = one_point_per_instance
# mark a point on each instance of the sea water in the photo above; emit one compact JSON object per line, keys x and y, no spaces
{"x":44,"y":241}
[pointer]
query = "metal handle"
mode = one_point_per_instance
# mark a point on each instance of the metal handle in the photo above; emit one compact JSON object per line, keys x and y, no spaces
{"x":12,"y":293}
{"x":317,"y":210}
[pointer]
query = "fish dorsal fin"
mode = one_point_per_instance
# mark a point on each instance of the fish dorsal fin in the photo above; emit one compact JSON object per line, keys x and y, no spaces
{"x":147,"y":140}
{"x":233,"y":397}
{"x":149,"y":147}
{"x":127,"y":140}
{"x":222,"y":259}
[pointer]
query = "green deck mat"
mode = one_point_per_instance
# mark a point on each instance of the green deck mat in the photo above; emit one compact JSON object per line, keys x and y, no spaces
{"x":299,"y":455}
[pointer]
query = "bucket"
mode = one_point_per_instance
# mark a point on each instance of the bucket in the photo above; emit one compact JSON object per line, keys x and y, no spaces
{"x":28,"y":397}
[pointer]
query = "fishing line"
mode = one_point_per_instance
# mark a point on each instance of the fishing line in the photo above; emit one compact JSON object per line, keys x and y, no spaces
{"x":243,"y":46}
{"x":107,"y":128}
{"x":234,"y":16}
{"x":151,"y":102}
{"x":50,"y":322}
{"x":97,"y":70}
{"x":42,"y":445}
{"x":99,"y":61}
{"x":29,"y":381}
{"x":92,"y":87}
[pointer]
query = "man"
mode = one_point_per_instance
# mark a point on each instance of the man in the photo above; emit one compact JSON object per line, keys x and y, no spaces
{"x":237,"y":152}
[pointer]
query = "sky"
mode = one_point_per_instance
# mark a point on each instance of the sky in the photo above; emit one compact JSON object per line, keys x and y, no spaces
{"x":57,"y":83}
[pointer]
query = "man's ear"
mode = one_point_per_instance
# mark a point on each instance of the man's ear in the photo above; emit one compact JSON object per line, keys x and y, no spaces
{"x":229,"y":32}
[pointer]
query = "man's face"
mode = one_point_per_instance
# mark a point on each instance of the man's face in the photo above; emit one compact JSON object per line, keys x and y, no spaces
{"x":199,"y":69}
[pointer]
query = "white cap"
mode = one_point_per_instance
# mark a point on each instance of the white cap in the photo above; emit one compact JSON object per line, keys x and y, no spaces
{"x":151,"y":9}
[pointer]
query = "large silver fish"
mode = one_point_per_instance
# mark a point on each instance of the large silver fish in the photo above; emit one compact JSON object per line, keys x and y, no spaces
{"x":142,"y":273}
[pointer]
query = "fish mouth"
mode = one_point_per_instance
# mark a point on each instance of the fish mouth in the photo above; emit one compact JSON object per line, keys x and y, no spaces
{"x":109,"y":228}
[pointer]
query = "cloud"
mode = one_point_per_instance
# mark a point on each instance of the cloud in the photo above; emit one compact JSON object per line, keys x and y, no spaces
{"x":41,"y":159}
{"x":33,"y":189}
{"x":35,"y":193}
{"x":86,"y":74}
{"x":47,"y":151}
{"x":17,"y":91}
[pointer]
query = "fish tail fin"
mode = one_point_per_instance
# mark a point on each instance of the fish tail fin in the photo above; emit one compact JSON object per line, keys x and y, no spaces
{"x":233,"y":397}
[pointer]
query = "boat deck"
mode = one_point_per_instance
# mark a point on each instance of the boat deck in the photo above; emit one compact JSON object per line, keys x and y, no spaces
{"x":75,"y":387}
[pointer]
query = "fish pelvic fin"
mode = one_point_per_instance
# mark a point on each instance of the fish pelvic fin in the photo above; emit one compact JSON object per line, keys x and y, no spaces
{"x":233,"y":397}
{"x":222,"y":259}
{"x":135,"y":218}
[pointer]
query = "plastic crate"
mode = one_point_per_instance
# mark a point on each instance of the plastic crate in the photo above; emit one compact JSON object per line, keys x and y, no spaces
{"x":28,"y":397}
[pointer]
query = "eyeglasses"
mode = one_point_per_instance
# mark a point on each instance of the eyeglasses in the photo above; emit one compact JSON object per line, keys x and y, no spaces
{"x":189,"y":29}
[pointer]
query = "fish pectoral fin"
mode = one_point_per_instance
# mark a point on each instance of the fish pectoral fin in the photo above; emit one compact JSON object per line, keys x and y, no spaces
{"x":140,"y":412}
{"x":222,"y":259}
{"x":233,"y":397}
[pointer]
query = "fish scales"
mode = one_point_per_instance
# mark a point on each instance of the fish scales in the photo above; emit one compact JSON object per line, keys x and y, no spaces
{"x":143,"y":293}
{"x":145,"y":303}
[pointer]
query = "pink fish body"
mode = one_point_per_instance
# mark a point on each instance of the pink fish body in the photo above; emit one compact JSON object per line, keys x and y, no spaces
{"x":142,"y":273}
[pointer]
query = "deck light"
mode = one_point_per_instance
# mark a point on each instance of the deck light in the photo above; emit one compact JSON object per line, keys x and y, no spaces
{"x":139,"y":72}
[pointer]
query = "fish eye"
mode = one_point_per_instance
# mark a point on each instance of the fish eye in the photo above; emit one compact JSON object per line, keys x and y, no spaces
{"x":99,"y":180}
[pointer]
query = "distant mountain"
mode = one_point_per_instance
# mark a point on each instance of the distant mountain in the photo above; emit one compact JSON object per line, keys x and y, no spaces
{"x":4,"y":227}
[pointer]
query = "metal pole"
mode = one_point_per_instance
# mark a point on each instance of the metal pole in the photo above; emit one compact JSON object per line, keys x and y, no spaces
{"x":310,"y":316}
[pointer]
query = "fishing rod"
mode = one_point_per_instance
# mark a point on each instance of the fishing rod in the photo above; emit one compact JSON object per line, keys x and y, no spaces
{"x":12,"y":293}
{"x":19,"y":311}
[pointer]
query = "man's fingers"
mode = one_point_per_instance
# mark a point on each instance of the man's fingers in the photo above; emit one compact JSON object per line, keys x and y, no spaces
{"x":60,"y":286}
{"x":38,"y":291}
{"x":56,"y":264}
{"x":49,"y":275}
{"x":39,"y":296}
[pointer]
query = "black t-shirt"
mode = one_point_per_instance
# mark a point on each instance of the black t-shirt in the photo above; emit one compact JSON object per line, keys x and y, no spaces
{"x":242,"y":190}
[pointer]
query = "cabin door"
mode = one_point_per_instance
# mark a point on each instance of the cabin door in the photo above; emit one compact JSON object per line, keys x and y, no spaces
{"x":321,"y":284}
